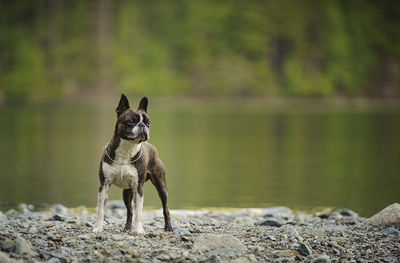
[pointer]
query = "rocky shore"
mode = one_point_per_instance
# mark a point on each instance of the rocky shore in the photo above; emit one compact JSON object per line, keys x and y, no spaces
{"x":275,"y":234}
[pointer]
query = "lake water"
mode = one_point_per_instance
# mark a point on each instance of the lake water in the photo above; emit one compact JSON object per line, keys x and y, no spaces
{"x":217,"y":154}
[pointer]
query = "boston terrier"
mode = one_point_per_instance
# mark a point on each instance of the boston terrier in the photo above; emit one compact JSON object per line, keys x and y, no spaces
{"x":128,"y":162}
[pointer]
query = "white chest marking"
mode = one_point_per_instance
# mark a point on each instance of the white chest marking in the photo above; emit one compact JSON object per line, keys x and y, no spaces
{"x":122,"y":173}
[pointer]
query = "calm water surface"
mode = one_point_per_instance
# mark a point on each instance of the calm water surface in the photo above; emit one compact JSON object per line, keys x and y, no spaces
{"x":221,"y":157}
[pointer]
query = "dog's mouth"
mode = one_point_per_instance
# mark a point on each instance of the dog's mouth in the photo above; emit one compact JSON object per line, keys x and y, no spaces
{"x":140,"y":138}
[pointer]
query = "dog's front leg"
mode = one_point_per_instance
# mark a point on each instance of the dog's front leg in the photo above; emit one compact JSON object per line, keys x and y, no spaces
{"x":138,"y":200}
{"x":101,"y":203}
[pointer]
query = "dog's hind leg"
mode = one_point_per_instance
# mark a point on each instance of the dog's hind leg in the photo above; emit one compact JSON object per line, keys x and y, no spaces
{"x":101,"y":203}
{"x":161,"y":185}
{"x":128,"y":196}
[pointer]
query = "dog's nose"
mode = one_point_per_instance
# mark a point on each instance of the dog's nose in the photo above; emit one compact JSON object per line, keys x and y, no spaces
{"x":141,"y":125}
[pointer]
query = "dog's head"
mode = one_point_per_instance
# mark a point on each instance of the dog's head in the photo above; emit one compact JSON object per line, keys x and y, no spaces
{"x":133,"y":124}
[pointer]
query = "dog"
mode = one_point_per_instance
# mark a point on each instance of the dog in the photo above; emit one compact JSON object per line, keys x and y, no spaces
{"x":128,"y":162}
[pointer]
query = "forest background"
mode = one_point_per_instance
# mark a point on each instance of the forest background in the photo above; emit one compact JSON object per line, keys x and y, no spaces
{"x":59,"y":49}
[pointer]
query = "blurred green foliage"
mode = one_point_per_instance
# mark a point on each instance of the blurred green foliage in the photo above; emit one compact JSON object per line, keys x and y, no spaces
{"x":52,"y":48}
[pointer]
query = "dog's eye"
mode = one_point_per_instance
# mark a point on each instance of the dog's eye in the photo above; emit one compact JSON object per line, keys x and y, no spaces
{"x":148,"y":123}
{"x":130,"y":122}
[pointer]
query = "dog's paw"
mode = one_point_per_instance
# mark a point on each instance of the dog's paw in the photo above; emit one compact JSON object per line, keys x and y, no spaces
{"x":128,"y":230}
{"x":168,"y":228}
{"x":139,"y":230}
{"x":97,"y":230}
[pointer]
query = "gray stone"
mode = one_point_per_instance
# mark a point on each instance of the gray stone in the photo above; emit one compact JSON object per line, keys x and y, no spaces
{"x":214,"y":241}
{"x":58,"y":218}
{"x":347,"y":212}
{"x":39,"y":243}
{"x":59,"y":209}
{"x":304,"y":249}
{"x":389,"y":216}
{"x":291,"y":231}
{"x":23,"y":247}
{"x":321,"y":259}
{"x":299,"y":218}
{"x":269,"y":222}
{"x":180,"y":231}
{"x":12,"y":213}
{"x":7,"y":245}
{"x":391,"y":231}
{"x":26,"y":210}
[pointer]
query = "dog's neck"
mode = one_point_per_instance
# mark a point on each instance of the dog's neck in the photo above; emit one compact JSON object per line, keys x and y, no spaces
{"x":124,"y":150}
{"x":128,"y":148}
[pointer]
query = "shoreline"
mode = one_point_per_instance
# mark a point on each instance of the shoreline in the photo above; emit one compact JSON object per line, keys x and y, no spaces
{"x":274,"y":234}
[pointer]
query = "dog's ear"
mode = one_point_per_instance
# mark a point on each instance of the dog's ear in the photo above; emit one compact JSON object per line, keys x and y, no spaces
{"x":123,"y":104}
{"x":143,"y":104}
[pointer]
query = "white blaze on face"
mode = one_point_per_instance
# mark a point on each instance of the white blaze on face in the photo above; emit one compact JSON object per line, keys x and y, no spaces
{"x":135,"y":129}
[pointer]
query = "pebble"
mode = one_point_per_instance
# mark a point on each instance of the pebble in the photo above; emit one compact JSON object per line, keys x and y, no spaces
{"x":198,"y":236}
{"x":7,"y":245}
{"x":304,"y":249}
{"x":346,"y":212}
{"x":269,"y":222}
{"x":391,"y":231}
{"x":58,"y":218}
{"x":59,"y":209}
{"x":180,"y":231}
{"x":321,"y":259}
{"x":23,"y":247}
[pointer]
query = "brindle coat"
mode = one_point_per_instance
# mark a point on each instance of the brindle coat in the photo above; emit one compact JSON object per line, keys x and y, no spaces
{"x":148,"y":166}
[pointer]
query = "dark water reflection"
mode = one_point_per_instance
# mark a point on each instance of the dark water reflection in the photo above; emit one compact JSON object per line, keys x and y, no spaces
{"x":225,"y":157}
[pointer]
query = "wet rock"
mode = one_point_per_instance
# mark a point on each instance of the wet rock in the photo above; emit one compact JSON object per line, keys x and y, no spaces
{"x":23,"y":247}
{"x":304,"y":249}
{"x":389,"y":216}
{"x":269,"y":222}
{"x":391,"y":231}
{"x":214,"y":241}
